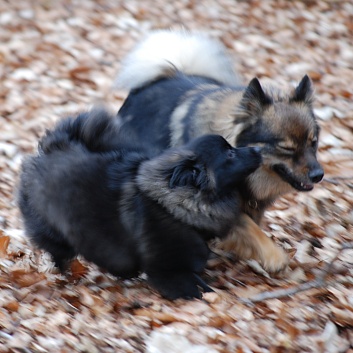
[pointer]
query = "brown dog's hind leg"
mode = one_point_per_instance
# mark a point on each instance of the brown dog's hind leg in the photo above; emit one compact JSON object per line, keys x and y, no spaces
{"x":248,"y":241}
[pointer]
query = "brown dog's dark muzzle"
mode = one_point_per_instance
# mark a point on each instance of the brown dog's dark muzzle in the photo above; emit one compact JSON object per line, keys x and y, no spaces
{"x":316,"y":175}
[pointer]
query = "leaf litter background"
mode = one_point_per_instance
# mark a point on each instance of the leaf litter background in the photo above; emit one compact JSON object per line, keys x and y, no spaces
{"x":60,"y":57}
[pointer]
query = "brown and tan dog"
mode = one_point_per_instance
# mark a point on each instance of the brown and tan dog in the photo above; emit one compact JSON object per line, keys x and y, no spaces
{"x":182,"y":85}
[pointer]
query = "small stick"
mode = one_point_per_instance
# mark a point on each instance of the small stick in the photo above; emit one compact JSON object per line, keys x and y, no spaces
{"x":335,"y":180}
{"x":281,"y":293}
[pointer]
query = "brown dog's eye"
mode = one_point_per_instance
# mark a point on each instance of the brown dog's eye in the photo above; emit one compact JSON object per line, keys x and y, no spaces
{"x":314,"y":143}
{"x":286,"y":149}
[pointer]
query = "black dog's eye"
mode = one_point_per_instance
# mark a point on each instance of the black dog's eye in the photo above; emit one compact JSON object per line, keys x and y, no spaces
{"x":195,"y":172}
{"x":231,"y":153}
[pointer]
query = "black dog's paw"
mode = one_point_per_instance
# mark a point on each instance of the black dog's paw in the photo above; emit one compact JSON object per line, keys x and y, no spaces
{"x":63,"y":265}
{"x":173,"y":286}
{"x":201,"y":283}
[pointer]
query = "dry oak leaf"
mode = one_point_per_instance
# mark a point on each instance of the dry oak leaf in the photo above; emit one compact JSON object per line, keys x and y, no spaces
{"x":4,"y":243}
{"x":165,"y":318}
{"x":78,"y":270}
{"x":342,"y":317}
{"x":24,"y":278}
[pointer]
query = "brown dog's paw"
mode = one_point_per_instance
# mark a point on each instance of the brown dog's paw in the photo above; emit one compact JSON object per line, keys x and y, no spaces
{"x":248,"y":241}
{"x":273,"y":258}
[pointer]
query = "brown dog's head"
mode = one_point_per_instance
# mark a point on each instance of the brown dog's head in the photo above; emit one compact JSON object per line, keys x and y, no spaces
{"x":286,"y":128}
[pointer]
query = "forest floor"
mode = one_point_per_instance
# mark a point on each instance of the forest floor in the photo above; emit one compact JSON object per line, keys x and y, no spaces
{"x":61,"y":57}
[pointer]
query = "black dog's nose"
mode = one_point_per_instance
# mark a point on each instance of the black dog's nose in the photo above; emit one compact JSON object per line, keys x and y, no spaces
{"x":256,"y":154}
{"x":257,"y":149}
{"x":316,"y":175}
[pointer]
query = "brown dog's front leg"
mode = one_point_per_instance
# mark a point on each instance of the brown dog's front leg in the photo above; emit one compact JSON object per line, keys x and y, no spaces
{"x":247,"y":241}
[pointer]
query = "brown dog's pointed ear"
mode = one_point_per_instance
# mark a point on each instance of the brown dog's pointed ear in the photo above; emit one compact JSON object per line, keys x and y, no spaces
{"x":304,"y":91}
{"x":254,"y":97}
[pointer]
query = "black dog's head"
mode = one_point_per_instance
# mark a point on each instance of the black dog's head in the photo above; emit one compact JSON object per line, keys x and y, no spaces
{"x":198,"y":183}
{"x":215,"y":165}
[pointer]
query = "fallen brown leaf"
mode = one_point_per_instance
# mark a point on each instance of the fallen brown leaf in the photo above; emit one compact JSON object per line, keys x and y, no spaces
{"x":23,"y":278}
{"x":4,"y":243}
{"x":78,"y":270}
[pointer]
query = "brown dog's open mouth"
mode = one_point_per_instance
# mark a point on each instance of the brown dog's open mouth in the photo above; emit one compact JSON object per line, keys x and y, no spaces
{"x":290,"y":179}
{"x":302,"y":186}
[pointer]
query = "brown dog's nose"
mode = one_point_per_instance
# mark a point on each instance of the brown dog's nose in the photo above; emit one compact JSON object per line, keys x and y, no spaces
{"x":316,"y":175}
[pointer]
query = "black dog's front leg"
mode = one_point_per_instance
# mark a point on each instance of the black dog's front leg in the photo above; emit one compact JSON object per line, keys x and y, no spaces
{"x":176,"y":254}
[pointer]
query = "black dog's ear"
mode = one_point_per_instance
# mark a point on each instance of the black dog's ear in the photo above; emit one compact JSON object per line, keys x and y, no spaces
{"x":183,"y":175}
{"x":187,"y":174}
{"x":304,"y":91}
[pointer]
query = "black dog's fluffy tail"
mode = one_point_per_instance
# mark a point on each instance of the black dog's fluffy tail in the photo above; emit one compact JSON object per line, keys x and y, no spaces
{"x":97,"y":130}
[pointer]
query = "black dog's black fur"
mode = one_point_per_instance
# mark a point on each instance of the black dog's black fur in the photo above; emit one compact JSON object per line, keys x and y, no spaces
{"x":89,"y":191}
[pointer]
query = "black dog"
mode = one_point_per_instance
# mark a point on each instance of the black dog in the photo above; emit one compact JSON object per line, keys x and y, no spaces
{"x":90,"y":191}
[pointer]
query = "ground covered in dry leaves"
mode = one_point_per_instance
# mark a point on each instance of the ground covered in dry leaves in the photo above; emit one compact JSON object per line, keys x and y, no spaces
{"x":59,"y":57}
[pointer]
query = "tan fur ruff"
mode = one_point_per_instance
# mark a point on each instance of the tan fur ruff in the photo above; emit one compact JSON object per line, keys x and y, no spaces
{"x":186,"y":204}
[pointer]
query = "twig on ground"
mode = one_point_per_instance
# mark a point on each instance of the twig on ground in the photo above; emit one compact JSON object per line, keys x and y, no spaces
{"x":281,"y":293}
{"x":348,"y":245}
{"x":336,"y":180}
